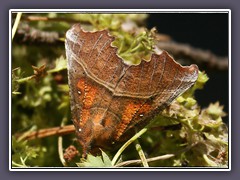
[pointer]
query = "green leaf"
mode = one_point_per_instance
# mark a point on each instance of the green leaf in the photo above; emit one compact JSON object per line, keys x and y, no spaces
{"x":107,"y":161}
{"x":60,"y":64}
{"x":96,"y":161}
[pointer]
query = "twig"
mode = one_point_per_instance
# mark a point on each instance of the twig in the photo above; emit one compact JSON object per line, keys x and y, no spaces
{"x":29,"y":34}
{"x":163,"y":157}
{"x":199,"y":56}
{"x":41,"y":18}
{"x":46,"y":132}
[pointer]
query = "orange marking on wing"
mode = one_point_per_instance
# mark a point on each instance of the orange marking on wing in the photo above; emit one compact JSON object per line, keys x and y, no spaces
{"x":89,"y":97}
{"x":88,"y":92}
{"x":145,"y":109}
{"x":84,"y":117}
{"x":81,"y":85}
{"x":128,"y":113}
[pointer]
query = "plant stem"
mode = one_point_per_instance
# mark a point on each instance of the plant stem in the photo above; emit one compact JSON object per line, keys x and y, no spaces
{"x":115,"y":158}
{"x":22,"y":80}
{"x":138,"y":161}
{"x":141,"y":153}
{"x":60,"y":144}
{"x":157,"y":158}
{"x":14,"y":29}
{"x":60,"y":151}
{"x":19,"y":165}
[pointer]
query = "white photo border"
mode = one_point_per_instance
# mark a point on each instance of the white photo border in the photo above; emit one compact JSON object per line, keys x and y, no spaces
{"x":119,"y":11}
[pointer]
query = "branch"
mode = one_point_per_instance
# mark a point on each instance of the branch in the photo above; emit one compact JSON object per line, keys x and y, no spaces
{"x":46,"y":132}
{"x":26,"y":33}
{"x":196,"y":55}
{"x":43,"y":18}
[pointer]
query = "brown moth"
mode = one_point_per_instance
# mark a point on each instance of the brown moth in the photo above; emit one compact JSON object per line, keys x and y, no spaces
{"x":110,"y":98}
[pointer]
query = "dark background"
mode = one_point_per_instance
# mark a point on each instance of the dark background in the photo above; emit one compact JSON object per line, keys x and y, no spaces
{"x":208,"y":31}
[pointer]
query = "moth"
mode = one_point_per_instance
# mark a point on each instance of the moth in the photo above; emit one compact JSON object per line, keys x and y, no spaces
{"x":110,"y":98}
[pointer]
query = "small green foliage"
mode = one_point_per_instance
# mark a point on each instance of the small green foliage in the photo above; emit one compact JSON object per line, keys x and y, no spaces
{"x":107,"y":21}
{"x":98,"y":161}
{"x":23,"y":153}
{"x":201,"y":81}
{"x":31,"y":109}
{"x":215,"y":110}
{"x":134,"y":48}
{"x":16,"y":75}
{"x":199,"y":84}
{"x":187,"y":102}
